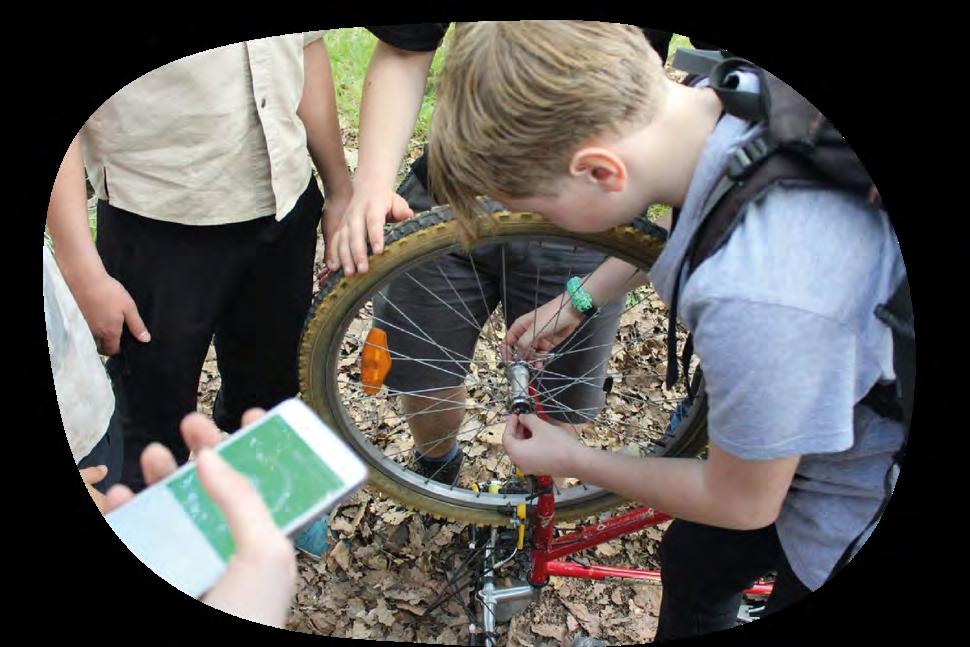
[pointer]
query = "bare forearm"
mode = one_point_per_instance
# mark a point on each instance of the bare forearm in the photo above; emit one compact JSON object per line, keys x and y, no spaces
{"x":680,"y":487}
{"x":393,"y":89}
{"x":318,"y":111}
{"x":67,"y":220}
{"x":612,"y":279}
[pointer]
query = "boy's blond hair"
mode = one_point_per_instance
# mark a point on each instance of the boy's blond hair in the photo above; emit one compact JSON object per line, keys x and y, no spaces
{"x":516,"y":99}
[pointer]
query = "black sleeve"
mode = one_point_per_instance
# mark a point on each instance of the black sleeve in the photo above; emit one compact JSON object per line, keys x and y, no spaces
{"x":659,"y":40}
{"x":413,"y":37}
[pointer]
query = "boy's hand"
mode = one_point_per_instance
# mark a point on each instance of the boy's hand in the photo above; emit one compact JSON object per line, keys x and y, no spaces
{"x":334,"y":209}
{"x":107,"y":307}
{"x":539,"y":447}
{"x":364,"y":221}
{"x":259,"y":583}
{"x":543,"y":329}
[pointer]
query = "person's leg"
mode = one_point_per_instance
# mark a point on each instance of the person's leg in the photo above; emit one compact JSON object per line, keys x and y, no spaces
{"x":434,"y":417}
{"x":433,"y":316}
{"x":704,"y":571}
{"x":258,"y":334}
{"x":787,"y":588}
{"x":175,"y":274}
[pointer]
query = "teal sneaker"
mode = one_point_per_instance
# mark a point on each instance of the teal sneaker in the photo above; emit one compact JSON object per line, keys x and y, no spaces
{"x":315,"y":538}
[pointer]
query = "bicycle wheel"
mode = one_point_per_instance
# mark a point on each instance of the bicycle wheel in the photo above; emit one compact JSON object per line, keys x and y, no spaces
{"x":371,"y":421}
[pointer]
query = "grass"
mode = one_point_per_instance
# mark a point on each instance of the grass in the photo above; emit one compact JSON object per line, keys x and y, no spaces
{"x":350,"y":51}
{"x":678,"y":41}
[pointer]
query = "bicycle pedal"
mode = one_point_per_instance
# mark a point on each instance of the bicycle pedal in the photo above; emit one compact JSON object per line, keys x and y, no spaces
{"x":750,"y":612}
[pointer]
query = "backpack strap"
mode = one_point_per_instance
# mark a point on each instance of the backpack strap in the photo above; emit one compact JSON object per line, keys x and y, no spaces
{"x":897,"y":313}
{"x":753,"y":169}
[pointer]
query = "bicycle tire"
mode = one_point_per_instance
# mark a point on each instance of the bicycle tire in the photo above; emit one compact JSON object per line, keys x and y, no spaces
{"x":425,"y":234}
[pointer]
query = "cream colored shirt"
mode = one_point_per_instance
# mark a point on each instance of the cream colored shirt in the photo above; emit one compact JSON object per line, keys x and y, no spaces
{"x":209,"y":139}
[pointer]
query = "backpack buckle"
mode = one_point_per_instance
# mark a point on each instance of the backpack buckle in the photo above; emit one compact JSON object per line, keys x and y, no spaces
{"x":748,"y":157}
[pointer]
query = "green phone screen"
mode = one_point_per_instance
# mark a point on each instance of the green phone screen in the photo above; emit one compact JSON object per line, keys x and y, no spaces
{"x":289,"y":475}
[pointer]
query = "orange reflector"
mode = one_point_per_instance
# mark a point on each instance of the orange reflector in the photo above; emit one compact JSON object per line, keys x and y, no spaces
{"x":375,"y":361}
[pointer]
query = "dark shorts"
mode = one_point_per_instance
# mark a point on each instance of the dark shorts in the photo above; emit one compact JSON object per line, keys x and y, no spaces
{"x":433,"y":317}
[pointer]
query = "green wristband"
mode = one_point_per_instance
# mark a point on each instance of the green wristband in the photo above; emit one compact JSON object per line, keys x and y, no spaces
{"x":582,"y":300}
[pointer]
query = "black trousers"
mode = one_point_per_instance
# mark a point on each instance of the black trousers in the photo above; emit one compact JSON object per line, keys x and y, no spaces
{"x":704,"y":571}
{"x":246,"y":284}
{"x":109,"y":451}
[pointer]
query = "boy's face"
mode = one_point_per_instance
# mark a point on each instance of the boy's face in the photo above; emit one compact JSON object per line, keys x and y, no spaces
{"x":574,"y":210}
{"x":594,"y":196}
{"x":579,"y":205}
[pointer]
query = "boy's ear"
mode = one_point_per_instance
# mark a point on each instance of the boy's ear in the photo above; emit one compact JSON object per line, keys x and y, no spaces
{"x":600,"y":166}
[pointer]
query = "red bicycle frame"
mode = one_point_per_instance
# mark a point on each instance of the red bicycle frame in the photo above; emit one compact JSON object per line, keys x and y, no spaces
{"x":546,"y":550}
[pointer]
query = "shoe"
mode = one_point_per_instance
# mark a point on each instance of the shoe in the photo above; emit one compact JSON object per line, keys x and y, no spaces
{"x":446,"y":473}
{"x":315,"y":538}
{"x":682,"y":408}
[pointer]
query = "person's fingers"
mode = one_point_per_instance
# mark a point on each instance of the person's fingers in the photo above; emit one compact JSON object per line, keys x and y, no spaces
{"x":519,"y":333}
{"x":117,"y":495}
{"x":157,"y":463}
{"x":400,"y":209}
{"x":525,"y":345}
{"x":109,"y":342}
{"x":375,"y":233}
{"x":249,"y":520}
{"x":252,"y":415}
{"x":134,"y":321}
{"x":358,"y":247}
{"x":198,"y":431}
{"x":99,"y":499}
{"x":528,"y":422}
{"x":331,"y":252}
{"x":505,"y":350}
{"x":92,"y":475}
{"x":510,"y":436}
{"x":345,"y":253}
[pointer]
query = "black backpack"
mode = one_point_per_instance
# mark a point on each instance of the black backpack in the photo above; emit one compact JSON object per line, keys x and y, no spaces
{"x":798,"y":146}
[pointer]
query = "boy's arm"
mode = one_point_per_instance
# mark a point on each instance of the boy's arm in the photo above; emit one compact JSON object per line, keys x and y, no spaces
{"x":550,"y":324}
{"x":393,"y":89}
{"x":723,"y":491}
{"x":103,"y":301}
{"x":612,"y":279}
{"x":318,"y":111}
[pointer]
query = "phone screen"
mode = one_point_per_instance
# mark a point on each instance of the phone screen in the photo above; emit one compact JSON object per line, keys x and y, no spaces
{"x":180,"y":533}
{"x":290,"y":477}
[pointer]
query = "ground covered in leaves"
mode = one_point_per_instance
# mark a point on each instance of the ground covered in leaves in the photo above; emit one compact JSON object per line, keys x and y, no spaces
{"x":389,"y":563}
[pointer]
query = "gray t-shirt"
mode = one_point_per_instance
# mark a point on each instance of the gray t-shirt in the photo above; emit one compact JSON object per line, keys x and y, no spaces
{"x":783,"y":323}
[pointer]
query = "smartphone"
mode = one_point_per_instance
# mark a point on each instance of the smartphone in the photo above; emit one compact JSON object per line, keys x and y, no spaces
{"x":298,"y":465}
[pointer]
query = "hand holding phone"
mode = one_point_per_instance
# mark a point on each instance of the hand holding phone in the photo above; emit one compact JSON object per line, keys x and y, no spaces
{"x":190,"y":525}
{"x":260,"y":580}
